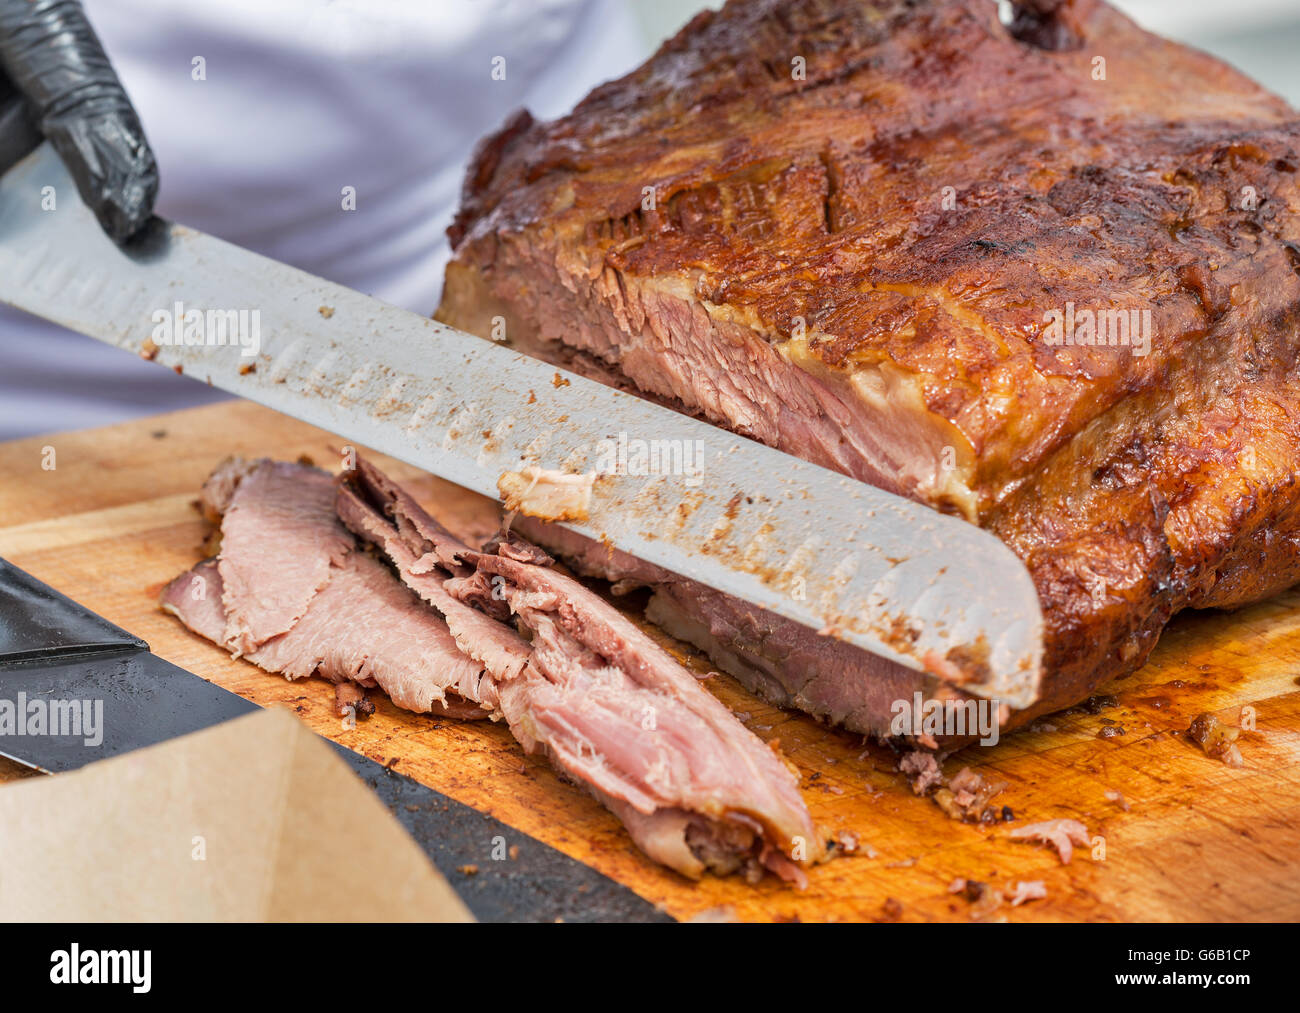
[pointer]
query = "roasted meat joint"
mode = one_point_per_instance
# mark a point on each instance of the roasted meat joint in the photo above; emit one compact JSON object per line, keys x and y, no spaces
{"x":1043,"y":275}
{"x":843,"y":468}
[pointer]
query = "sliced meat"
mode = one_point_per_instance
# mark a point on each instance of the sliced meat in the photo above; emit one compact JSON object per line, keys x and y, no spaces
{"x":424,"y":536}
{"x":363,"y":627}
{"x":340,"y":614}
{"x":195,"y":599}
{"x":280,"y":537}
{"x":609,"y":708}
{"x":615,"y":711}
{"x":589,"y":557}
{"x":219,"y":487}
{"x":479,"y":636}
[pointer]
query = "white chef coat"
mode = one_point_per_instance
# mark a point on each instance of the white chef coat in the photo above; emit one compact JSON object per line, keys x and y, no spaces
{"x":261,"y":112}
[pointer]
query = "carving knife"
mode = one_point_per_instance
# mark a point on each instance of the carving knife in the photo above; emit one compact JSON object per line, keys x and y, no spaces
{"x":892,"y":577}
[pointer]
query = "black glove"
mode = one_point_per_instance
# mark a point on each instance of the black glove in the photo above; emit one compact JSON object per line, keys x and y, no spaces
{"x":56,"y":82}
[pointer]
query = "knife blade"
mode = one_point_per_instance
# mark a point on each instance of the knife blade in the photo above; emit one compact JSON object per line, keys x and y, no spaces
{"x":895,"y":578}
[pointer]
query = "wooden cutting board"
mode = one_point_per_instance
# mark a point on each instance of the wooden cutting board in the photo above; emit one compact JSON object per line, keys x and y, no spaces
{"x":107,"y":516}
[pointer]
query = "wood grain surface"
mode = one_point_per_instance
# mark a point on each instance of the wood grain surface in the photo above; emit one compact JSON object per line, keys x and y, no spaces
{"x":114,"y":519}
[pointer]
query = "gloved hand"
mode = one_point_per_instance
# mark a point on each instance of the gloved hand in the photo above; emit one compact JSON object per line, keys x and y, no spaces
{"x":56,"y":82}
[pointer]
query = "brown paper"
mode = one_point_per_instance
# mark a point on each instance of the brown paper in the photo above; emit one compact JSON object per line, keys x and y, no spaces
{"x":255,"y":819}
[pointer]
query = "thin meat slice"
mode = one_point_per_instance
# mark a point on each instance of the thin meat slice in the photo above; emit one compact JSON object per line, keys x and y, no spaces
{"x":616,"y":711}
{"x":219,"y":487}
{"x":434,"y":544}
{"x":378,"y":510}
{"x":195,"y":599}
{"x":696,"y":790}
{"x":479,"y":636}
{"x":280,"y":537}
{"x":363,"y":627}
{"x":287,"y":564}
{"x":686,"y":797}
